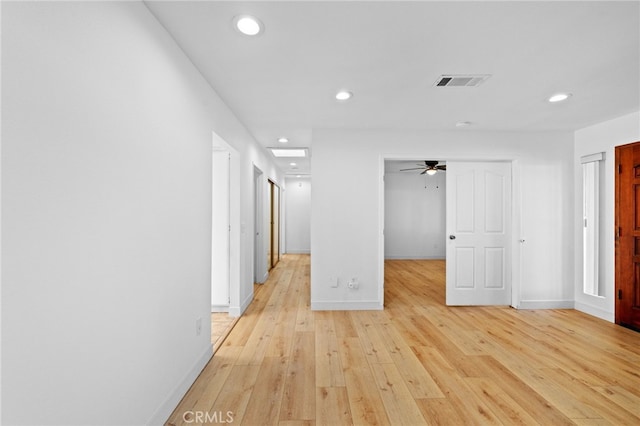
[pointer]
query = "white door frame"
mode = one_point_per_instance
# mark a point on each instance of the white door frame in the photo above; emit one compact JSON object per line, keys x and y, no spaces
{"x":234,"y":223}
{"x":516,"y":216}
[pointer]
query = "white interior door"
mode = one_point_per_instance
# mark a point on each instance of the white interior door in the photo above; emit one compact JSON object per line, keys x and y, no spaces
{"x":478,"y":233}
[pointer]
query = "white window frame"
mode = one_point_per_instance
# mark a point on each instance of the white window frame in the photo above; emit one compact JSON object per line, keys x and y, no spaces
{"x":591,"y":223}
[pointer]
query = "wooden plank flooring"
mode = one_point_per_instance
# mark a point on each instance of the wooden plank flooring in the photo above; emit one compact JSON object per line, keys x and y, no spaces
{"x":417,"y":362}
{"x":221,"y":325}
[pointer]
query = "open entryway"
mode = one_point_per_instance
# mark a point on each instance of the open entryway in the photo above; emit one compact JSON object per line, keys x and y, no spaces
{"x":220,"y":230}
{"x":225,"y":238}
{"x":452,"y":218}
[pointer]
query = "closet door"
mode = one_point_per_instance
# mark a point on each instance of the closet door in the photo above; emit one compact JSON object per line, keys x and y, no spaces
{"x":274,"y":224}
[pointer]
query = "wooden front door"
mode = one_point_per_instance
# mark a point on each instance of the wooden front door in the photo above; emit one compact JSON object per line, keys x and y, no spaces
{"x":628,"y":235}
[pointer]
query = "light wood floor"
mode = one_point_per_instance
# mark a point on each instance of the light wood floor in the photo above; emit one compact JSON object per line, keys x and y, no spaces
{"x":221,"y":326}
{"x":417,"y":362}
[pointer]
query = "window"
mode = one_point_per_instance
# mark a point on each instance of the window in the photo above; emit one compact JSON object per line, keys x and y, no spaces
{"x":590,"y":223}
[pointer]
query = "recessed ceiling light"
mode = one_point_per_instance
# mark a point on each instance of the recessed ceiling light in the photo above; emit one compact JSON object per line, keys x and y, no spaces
{"x":283,"y":140}
{"x":344,"y":95}
{"x":289,"y":152}
{"x":248,"y":25}
{"x":293,"y":164}
{"x":463,"y":124}
{"x":559,"y":97}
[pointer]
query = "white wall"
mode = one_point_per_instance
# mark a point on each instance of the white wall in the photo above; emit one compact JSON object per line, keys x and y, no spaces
{"x":297,"y":211}
{"x":414,"y":215}
{"x":347,"y":209}
{"x":106,"y":214}
{"x":603,"y":137}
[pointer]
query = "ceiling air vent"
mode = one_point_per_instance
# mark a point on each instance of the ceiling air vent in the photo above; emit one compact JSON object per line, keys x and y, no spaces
{"x":460,"y":80}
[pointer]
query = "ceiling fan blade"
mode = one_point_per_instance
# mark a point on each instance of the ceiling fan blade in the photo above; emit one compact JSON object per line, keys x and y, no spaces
{"x":441,"y":167}
{"x":424,"y":172}
{"x":415,"y":168}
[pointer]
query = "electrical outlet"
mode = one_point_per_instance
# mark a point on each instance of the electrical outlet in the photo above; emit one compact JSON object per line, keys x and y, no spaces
{"x":333,"y":282}
{"x":353,"y":284}
{"x":198,"y":326}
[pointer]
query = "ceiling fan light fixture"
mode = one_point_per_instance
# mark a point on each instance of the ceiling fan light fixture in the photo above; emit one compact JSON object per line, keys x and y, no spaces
{"x":430,"y":167}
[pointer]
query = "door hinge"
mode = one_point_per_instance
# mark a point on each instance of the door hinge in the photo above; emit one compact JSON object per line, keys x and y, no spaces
{"x":619,"y":168}
{"x":618,"y":232}
{"x":619,"y":294}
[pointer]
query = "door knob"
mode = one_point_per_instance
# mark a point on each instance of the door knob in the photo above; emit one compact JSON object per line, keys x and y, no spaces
{"x":452,"y":237}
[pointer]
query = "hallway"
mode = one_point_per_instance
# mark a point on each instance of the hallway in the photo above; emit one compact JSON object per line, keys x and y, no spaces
{"x":416,"y":362}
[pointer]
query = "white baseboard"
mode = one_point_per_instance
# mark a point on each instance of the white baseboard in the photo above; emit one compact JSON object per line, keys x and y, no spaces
{"x":546,"y":304}
{"x":400,"y":257}
{"x":264,"y":278}
{"x":163,"y":412}
{"x":596,"y":312}
{"x":339,"y":305}
{"x":219,"y":308}
{"x":236,"y":311}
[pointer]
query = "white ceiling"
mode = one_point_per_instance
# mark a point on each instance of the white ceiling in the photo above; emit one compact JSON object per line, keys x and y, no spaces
{"x":389,"y":54}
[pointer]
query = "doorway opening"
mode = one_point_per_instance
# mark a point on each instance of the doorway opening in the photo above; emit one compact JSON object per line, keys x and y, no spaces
{"x":477,"y":235}
{"x":414,"y":222}
{"x":225,"y":237}
{"x":220,"y":230}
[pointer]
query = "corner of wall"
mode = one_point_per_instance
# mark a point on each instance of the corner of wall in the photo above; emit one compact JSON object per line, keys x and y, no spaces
{"x":595,"y":311}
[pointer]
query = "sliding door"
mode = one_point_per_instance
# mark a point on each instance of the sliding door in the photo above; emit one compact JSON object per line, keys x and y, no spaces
{"x":273,"y":254}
